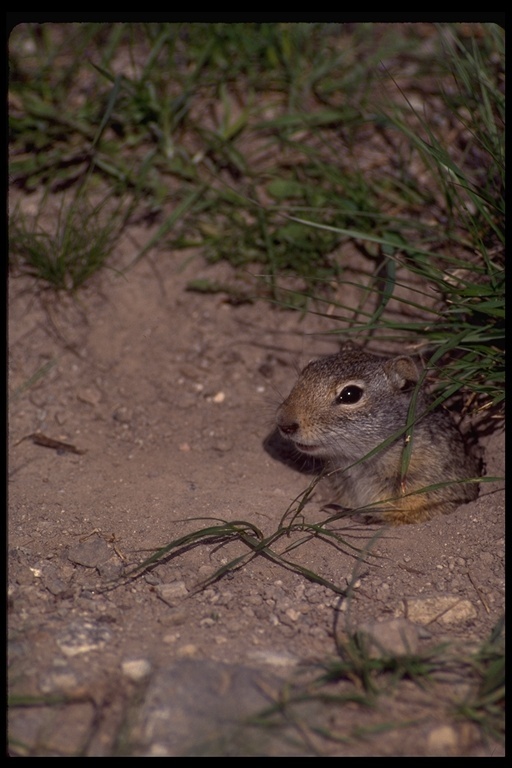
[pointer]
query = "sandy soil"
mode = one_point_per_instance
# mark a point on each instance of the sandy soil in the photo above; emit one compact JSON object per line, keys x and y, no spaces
{"x":168,"y":398}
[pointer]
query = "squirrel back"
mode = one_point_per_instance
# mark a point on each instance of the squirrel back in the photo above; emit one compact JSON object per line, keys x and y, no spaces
{"x":358,"y":412}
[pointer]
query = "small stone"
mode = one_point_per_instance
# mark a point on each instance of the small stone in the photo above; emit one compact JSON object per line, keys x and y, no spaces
{"x":90,"y":553}
{"x":222,"y":445}
{"x":442,"y":741}
{"x":397,"y":637}
{"x":111,"y":569}
{"x":136,"y":669}
{"x":187,"y":651}
{"x":172,"y":593}
{"x":64,"y":680}
{"x":89,"y":396}
{"x":158,"y":750}
{"x":82,"y":637}
{"x":274,"y":658}
{"x":123,"y":415}
{"x":446,"y":609}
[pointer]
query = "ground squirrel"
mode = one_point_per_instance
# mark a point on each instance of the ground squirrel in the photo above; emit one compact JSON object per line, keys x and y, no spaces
{"x":344,"y":406}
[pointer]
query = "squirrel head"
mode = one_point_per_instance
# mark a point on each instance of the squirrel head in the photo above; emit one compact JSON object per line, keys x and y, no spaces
{"x":348,"y":403}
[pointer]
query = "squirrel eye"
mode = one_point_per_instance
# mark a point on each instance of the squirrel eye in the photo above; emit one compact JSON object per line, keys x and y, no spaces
{"x":350,"y":394}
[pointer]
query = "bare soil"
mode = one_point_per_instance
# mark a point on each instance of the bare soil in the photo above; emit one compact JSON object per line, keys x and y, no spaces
{"x":168,"y":399}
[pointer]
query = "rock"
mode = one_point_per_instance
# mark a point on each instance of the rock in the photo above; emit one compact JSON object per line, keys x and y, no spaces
{"x":198,"y":707}
{"x":89,"y":395}
{"x":442,"y":741}
{"x":446,"y":609}
{"x":172,"y":593}
{"x":90,"y":553}
{"x":57,"y":580}
{"x":82,"y":636}
{"x":397,"y":637}
{"x":136,"y":669}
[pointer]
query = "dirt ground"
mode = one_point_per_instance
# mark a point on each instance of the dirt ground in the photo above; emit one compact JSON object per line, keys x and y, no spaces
{"x":168,"y":398}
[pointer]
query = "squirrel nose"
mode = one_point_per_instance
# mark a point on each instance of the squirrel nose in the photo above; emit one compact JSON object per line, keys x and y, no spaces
{"x":289,"y":429}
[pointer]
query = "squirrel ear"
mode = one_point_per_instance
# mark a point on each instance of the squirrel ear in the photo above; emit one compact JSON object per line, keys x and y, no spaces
{"x":401,"y":371}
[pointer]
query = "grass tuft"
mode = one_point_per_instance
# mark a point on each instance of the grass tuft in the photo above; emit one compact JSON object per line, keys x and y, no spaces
{"x":65,"y":251}
{"x":359,"y":683}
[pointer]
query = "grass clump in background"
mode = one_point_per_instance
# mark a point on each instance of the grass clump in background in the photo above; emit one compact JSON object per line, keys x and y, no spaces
{"x":67,"y":251}
{"x":289,"y":150}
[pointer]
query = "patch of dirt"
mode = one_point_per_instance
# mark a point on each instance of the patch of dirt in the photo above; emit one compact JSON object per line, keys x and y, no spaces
{"x":168,"y":398}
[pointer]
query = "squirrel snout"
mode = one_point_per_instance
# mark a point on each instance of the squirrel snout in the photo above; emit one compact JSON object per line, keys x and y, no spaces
{"x":287,"y":428}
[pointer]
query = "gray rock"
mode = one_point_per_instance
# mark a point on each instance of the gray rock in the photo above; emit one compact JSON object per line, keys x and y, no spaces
{"x":199,"y":707}
{"x":90,"y":553}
